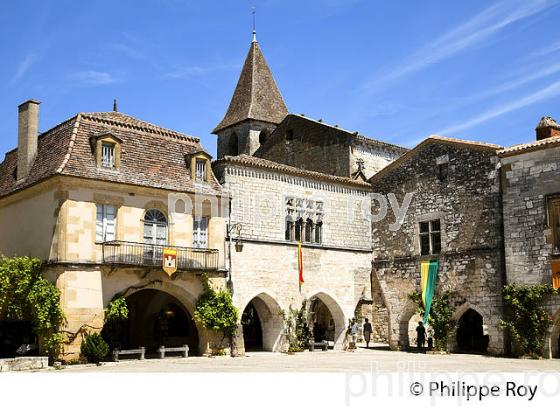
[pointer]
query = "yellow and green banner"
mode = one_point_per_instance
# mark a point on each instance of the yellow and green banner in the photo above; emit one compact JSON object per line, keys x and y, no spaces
{"x":429,"y":272}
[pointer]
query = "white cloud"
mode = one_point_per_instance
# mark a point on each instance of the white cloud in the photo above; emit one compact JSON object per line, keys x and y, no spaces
{"x":91,"y":77}
{"x":191,"y":71}
{"x":471,"y":33}
{"x":550,"y":49}
{"x":553,"y":90}
{"x":523,"y":79}
{"x":24,"y":66}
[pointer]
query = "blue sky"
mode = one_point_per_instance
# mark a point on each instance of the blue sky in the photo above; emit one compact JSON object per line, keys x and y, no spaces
{"x":397,"y":71}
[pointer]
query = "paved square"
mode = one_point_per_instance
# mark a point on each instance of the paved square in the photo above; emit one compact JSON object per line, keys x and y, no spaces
{"x":361,"y":360}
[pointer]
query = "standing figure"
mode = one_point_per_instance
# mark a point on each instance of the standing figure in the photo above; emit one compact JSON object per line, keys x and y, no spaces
{"x":367,"y":332}
{"x":420,"y":335}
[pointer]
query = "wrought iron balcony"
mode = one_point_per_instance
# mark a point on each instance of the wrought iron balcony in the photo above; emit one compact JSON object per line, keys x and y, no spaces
{"x":142,"y":254}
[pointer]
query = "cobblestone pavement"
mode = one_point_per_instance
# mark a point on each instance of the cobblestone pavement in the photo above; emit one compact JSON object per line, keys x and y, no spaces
{"x":379,"y":359}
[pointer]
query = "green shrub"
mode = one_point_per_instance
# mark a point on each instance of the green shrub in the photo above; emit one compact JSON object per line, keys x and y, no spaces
{"x":526,"y":318}
{"x":215,"y":310}
{"x":25,"y":294}
{"x":94,"y":348}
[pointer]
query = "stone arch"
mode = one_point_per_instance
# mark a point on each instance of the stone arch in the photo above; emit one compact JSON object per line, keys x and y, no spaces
{"x":269,"y":313}
{"x":398,"y":327}
{"x":185,"y":297}
{"x":459,"y":312}
{"x":340,"y":318}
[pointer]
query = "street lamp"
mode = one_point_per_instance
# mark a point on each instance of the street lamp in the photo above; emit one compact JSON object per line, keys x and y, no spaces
{"x":238,"y":247}
{"x":238,"y":228}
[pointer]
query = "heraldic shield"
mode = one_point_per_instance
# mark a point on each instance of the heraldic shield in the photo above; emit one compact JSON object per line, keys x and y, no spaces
{"x":169,"y":261}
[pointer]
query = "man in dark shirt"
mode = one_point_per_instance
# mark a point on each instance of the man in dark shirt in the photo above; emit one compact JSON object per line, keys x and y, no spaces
{"x":367,"y":331}
{"x":420,"y":335}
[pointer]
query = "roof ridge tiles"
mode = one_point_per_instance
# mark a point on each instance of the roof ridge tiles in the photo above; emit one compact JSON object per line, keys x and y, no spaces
{"x":140,"y":126}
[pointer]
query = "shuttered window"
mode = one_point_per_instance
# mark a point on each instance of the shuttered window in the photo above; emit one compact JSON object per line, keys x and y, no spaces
{"x":105,"y":223}
{"x":200,"y":170}
{"x":200,"y":232}
{"x":108,"y":155}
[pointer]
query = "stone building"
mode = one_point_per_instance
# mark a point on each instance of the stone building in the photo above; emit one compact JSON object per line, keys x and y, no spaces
{"x":276,"y":206}
{"x":454,"y":217}
{"x":531,"y":207}
{"x":98,"y":198}
{"x":314,"y":145}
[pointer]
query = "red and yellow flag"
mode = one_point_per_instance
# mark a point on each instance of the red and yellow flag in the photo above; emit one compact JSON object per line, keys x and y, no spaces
{"x":300,"y":263}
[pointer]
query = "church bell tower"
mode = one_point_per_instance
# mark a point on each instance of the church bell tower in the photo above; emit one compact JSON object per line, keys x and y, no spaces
{"x":255,"y":109}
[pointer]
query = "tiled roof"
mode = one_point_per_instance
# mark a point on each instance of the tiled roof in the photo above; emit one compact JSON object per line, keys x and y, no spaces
{"x":435,"y":139}
{"x":256,"y":95}
{"x":250,"y":161}
{"x":531,"y":146}
{"x":151,"y":156}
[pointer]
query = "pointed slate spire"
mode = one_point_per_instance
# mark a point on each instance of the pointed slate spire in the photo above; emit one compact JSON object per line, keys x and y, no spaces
{"x":256,"y":96}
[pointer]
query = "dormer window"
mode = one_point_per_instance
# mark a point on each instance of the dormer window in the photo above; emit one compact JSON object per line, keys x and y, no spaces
{"x":107,"y":150}
{"x":200,"y":169}
{"x":200,"y":166}
{"x":108,"y":155}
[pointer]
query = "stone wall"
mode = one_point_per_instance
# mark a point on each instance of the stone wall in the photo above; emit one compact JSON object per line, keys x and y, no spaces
{"x":528,"y":178}
{"x":375,"y":156}
{"x":467,"y":203}
{"x":247,"y":133}
{"x":309,"y":145}
{"x":259,"y":204}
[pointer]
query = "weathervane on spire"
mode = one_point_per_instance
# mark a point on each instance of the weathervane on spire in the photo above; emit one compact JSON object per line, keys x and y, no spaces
{"x":254,"y":28}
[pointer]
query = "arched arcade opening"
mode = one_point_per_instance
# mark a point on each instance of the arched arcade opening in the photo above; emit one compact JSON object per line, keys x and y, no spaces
{"x":155,"y":318}
{"x":471,"y":337}
{"x":328,"y":321}
{"x":262,"y":324}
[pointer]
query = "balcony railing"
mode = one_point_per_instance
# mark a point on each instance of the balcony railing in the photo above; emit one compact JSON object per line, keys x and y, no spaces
{"x":142,"y":254}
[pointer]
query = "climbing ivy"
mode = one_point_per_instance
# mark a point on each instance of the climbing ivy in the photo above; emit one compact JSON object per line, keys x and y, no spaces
{"x":441,"y":315}
{"x":26,"y":295}
{"x":116,"y":309}
{"x":526,"y":319}
{"x":215,"y":310}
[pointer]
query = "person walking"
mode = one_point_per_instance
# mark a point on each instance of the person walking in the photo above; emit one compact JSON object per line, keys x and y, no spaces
{"x":353,"y":334}
{"x":367,"y":332}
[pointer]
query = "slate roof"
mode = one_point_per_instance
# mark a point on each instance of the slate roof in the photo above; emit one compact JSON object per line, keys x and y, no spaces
{"x":435,"y":139}
{"x":151,"y":156}
{"x":256,"y":95}
{"x":254,"y":162}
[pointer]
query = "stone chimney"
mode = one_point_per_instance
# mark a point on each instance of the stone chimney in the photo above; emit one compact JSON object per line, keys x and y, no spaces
{"x":28,"y":131}
{"x":546,"y":128}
